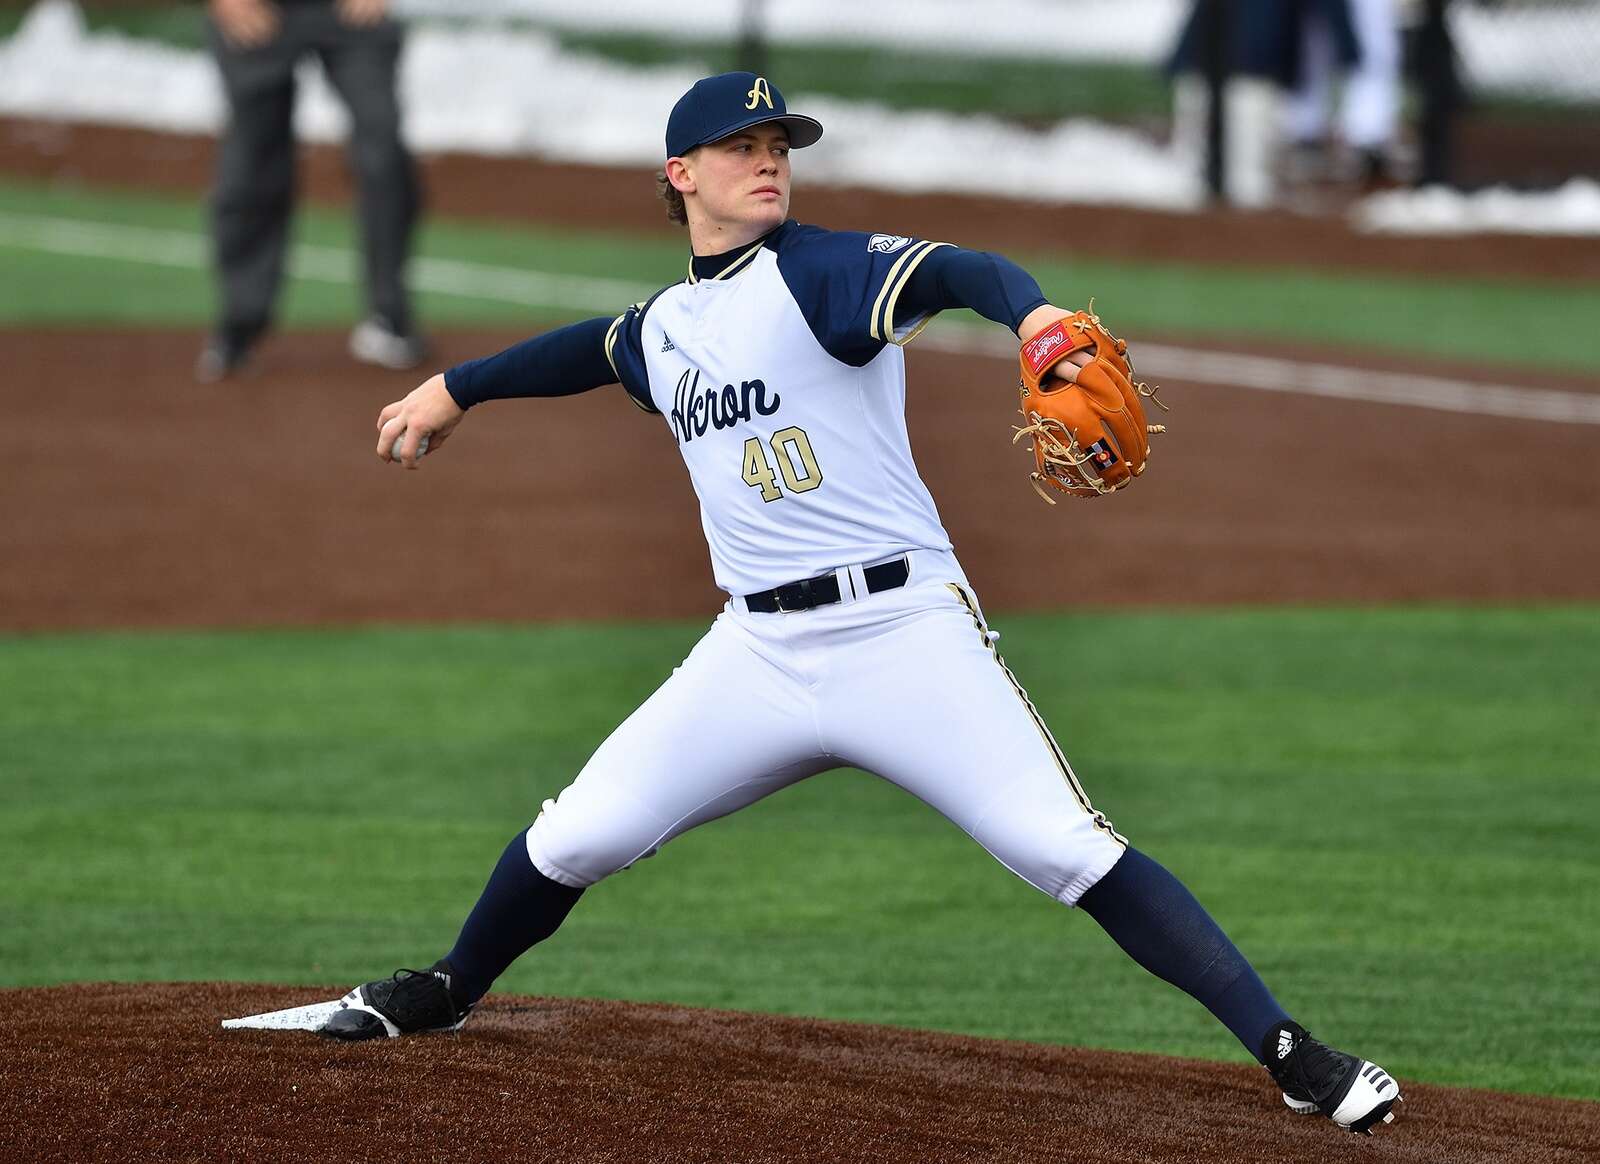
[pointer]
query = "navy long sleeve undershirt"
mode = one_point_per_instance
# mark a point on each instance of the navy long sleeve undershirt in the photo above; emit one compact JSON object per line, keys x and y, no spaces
{"x":562,"y":362}
{"x":572,"y":359}
{"x":990,"y":284}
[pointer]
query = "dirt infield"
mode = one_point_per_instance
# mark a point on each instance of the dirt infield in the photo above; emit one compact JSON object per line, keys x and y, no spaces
{"x":137,"y":498}
{"x":118,"y":1072}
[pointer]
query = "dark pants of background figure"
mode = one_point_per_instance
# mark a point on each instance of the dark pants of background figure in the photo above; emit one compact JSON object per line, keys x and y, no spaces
{"x":255,"y":182}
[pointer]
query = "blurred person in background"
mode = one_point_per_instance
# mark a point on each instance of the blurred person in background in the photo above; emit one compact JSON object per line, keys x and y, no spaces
{"x":257,"y":44}
{"x":1361,"y":38}
{"x":1276,"y":48}
{"x":1259,"y":39}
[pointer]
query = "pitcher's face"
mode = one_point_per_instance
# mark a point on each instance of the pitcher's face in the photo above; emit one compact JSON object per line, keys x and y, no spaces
{"x":740,"y":184}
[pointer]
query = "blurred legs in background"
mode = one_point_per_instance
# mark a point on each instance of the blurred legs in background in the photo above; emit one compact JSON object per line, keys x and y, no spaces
{"x":1368,"y":103}
{"x":1282,"y":62}
{"x":254,"y":195}
{"x":1248,"y":48}
{"x":361,"y":66}
{"x":1252,"y":110}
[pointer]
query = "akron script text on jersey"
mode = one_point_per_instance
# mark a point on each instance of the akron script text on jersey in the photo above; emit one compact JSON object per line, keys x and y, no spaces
{"x":694,"y":409}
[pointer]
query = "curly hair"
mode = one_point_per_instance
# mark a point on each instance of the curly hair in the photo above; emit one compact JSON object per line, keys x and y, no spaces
{"x":674,"y":200}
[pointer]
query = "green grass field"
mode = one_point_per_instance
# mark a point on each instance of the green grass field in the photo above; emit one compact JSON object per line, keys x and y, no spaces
{"x":152,"y":281}
{"x":1395,"y":813}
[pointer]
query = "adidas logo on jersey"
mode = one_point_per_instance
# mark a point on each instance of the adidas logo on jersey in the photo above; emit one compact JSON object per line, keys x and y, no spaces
{"x":669,"y":346}
{"x":886,"y":244}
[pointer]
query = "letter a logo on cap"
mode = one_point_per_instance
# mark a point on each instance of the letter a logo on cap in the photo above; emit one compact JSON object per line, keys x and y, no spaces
{"x":760,"y":91}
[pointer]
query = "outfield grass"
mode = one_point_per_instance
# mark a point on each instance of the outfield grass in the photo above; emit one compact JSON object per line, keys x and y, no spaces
{"x":1402,"y":315}
{"x":1395,"y":813}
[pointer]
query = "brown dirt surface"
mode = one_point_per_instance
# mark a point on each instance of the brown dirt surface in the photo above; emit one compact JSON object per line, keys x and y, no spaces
{"x":144,"y":1072}
{"x":527,"y":189}
{"x":139,"y":498}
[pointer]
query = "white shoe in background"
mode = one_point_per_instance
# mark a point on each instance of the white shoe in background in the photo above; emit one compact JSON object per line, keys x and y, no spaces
{"x":372,"y":342}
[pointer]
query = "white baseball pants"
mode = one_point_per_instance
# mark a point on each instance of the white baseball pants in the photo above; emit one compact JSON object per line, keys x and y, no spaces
{"x":905,"y":684}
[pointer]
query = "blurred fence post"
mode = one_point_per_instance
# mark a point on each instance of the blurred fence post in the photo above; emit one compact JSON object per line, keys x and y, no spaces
{"x":1441,"y":95}
{"x":752,"y":47}
{"x":1215,"y":47}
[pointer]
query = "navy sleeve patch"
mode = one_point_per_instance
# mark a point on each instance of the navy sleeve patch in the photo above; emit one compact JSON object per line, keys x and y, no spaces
{"x":848,"y":284}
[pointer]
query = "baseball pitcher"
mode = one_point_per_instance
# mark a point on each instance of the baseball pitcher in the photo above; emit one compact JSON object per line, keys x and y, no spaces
{"x":851,"y":635}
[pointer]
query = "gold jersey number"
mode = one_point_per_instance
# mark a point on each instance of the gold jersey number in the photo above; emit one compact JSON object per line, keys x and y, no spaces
{"x":789,"y":445}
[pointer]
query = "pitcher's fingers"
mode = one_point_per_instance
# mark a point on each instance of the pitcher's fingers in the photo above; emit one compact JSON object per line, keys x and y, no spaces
{"x":408,"y":447}
{"x":1067,"y":369}
{"x":387,"y":432}
{"x":388,"y":412}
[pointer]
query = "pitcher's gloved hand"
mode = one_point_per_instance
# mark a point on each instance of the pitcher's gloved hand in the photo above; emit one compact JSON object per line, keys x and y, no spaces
{"x":1087,"y":421}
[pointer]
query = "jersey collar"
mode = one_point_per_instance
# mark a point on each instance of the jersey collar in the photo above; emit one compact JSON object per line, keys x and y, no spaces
{"x":709,"y":268}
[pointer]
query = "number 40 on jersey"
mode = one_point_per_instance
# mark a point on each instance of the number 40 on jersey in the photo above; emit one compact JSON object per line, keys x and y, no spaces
{"x":791,"y":452}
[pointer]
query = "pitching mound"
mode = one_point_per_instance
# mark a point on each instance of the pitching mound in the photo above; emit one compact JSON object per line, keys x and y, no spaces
{"x":119,"y":1072}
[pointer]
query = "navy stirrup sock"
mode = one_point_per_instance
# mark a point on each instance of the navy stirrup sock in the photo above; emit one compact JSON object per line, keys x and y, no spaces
{"x":519,"y":908}
{"x":1159,"y":924}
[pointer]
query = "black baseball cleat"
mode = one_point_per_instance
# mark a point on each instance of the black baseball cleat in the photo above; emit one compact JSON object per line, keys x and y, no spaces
{"x":1353,"y":1093}
{"x":409,"y":1002}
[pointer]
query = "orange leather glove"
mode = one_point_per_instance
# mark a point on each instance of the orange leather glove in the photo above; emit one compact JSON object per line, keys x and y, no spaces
{"x":1088,"y":424}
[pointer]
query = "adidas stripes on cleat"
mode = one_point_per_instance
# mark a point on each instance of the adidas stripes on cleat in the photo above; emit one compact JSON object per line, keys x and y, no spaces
{"x":1354,"y":1093}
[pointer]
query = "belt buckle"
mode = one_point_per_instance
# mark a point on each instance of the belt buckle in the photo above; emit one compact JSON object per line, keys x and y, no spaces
{"x":804,"y":589}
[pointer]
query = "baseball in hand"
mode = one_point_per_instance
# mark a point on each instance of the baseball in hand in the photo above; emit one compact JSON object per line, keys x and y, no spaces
{"x":399,"y":443}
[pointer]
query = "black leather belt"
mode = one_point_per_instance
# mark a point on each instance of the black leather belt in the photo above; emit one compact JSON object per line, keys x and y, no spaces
{"x":823,"y":590}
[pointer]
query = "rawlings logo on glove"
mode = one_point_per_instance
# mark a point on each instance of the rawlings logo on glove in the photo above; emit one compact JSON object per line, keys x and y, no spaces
{"x":1088,"y":424}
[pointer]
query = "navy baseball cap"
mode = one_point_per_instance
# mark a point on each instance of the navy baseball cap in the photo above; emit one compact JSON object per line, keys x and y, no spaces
{"x":725,"y":104}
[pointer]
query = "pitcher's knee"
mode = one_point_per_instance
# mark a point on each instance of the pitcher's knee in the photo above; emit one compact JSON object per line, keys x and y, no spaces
{"x":1091,"y":863}
{"x":578,"y":851}
{"x":1059,"y":855}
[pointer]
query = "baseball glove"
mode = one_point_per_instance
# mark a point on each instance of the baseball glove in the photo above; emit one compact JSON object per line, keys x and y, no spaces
{"x":1087,"y":423}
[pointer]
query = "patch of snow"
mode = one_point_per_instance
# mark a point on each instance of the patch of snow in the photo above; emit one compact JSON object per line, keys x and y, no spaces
{"x":52,"y":67}
{"x":1572,"y":209}
{"x":1547,"y":52}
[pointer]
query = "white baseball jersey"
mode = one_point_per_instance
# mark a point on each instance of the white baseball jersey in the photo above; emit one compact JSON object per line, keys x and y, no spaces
{"x":783,"y":382}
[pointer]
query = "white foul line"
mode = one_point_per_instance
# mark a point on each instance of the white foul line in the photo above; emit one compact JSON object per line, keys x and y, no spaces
{"x":190,"y":251}
{"x":1269,"y":374}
